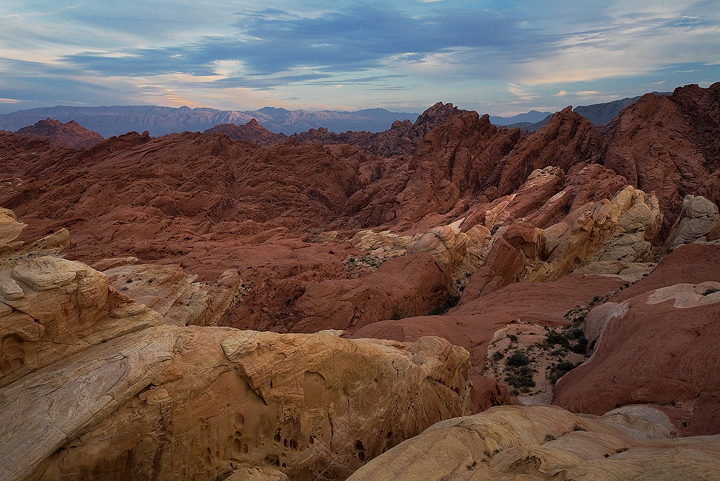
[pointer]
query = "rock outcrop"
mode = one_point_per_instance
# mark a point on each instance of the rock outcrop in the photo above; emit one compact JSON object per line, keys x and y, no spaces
{"x":698,"y":221}
{"x":544,"y":443}
{"x":404,"y":286}
{"x":94,"y":385}
{"x":200,"y":402}
{"x":656,"y":144}
{"x":657,"y":344}
{"x":52,"y":308}
{"x":70,"y":134}
{"x":178,"y":297}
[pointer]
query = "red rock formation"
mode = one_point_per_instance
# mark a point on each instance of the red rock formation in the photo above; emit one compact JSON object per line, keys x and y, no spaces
{"x":474,"y":324}
{"x":409,"y":285}
{"x":661,"y":348}
{"x":251,"y":132}
{"x":70,"y":134}
{"x":566,"y":140}
{"x":657,"y":147}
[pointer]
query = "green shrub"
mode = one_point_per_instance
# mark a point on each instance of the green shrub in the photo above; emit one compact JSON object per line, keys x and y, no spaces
{"x":520,"y":377}
{"x":518,"y":359}
{"x":555,"y":337}
{"x":559,"y":370}
{"x":581,"y":346}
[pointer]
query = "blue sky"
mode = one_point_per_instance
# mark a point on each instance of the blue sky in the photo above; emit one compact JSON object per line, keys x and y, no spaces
{"x":497,"y":57}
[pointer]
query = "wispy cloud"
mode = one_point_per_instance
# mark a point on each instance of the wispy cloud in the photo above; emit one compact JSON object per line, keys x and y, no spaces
{"x":513,"y":53}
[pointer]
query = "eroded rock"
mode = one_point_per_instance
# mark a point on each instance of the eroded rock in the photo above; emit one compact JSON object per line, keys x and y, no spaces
{"x":544,"y":443}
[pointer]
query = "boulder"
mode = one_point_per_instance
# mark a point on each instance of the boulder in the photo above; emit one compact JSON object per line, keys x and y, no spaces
{"x":698,"y":218}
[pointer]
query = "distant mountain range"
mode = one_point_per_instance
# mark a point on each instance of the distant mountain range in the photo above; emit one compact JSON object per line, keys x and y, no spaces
{"x":598,"y":114}
{"x":530,"y":117}
{"x":158,"y":121}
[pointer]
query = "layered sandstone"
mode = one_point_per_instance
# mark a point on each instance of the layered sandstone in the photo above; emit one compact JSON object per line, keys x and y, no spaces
{"x":52,"y":308}
{"x":199,"y":403}
{"x":544,"y":443}
{"x":656,"y":343}
{"x":97,"y":386}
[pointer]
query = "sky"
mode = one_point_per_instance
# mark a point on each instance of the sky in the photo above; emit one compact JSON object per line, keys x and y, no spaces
{"x":501,"y":57}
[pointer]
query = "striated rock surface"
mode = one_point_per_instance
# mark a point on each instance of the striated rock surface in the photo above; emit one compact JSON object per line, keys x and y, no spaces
{"x":51,"y":308}
{"x":179,"y":298}
{"x":544,"y":443}
{"x":657,"y":343}
{"x":70,"y":134}
{"x":404,"y":286}
{"x":199,"y":403}
{"x":698,"y":221}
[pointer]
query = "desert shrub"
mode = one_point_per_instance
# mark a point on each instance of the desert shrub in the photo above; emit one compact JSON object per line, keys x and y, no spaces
{"x":581,"y":346}
{"x":560,"y":369}
{"x":518,"y":359}
{"x":575,"y":333}
{"x":520,"y":377}
{"x":555,"y":337}
{"x":498,"y":355}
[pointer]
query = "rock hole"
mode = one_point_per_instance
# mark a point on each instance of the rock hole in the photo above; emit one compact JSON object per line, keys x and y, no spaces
{"x":361,"y":456}
{"x":359,"y":445}
{"x":277,"y":437}
{"x":272,"y":460}
{"x":293,"y":445}
{"x":239,"y":420}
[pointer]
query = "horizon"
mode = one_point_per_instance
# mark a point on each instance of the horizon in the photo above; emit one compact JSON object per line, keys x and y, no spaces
{"x":499,"y":58}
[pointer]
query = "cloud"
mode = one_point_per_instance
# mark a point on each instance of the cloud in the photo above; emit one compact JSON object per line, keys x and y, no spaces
{"x":358,"y":38}
{"x":561,"y":93}
{"x":521,"y":92}
{"x":635,"y":40}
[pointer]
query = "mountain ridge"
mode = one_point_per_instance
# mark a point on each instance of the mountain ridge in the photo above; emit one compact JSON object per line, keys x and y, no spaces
{"x":158,"y":120}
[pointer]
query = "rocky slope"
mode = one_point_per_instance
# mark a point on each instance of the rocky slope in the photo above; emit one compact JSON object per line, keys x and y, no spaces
{"x":94,"y":385}
{"x":70,"y":134}
{"x":543,"y":443}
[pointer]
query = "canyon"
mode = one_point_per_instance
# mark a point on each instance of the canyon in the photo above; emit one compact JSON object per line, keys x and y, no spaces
{"x":244,"y":304}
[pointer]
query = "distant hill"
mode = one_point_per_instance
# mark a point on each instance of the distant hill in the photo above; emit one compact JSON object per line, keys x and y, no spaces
{"x":527,"y":118}
{"x":602,"y":114}
{"x":117,"y":120}
{"x":598,"y":114}
{"x":70,"y":134}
